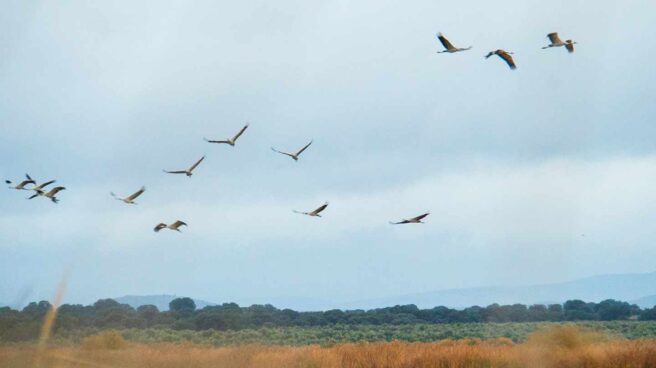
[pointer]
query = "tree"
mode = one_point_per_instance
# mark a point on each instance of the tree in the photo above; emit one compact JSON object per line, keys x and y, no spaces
{"x":334,"y":316}
{"x":37,"y":309}
{"x":517,"y":313}
{"x":471,"y":314}
{"x":148,"y":313}
{"x":555,"y":312}
{"x":182,"y":306}
{"x":578,"y":310}
{"x":104,"y":304}
{"x":440,"y":314}
{"x":211,"y":319}
{"x":610,"y":310}
{"x":537,"y":312}
{"x":648,"y":314}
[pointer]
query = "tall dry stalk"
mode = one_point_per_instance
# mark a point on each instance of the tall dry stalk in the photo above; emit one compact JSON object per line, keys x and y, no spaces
{"x":49,"y":320}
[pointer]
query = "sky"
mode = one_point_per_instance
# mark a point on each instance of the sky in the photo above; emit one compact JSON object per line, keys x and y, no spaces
{"x":537,"y":175}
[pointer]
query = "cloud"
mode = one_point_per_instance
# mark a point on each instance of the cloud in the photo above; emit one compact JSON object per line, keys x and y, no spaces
{"x":540,"y":173}
{"x":492,"y":214}
{"x":490,"y":201}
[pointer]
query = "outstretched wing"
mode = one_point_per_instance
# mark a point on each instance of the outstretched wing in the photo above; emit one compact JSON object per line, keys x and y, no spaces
{"x":212,"y":141}
{"x":420,"y":217}
{"x":507,"y":58}
{"x":240,"y":133}
{"x":177,"y":224}
{"x":281,"y":152}
{"x":175,"y":172}
{"x":399,"y":223}
{"x":553,"y":37}
{"x":569,"y":46}
{"x":197,"y":163}
{"x":136,"y":194}
{"x":54,"y":191}
{"x":159,"y":227}
{"x":45,"y":184}
{"x":318,"y":210}
{"x":304,"y":148}
{"x":447,"y":45}
{"x":28,"y":181}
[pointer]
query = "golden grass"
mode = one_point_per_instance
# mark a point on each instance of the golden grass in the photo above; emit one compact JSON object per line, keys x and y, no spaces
{"x":49,"y":321}
{"x":51,"y":314}
{"x":559,"y":347}
{"x":111,"y":340}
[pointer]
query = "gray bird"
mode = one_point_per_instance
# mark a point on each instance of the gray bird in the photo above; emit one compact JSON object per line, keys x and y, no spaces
{"x":293,"y":155}
{"x":230,"y":141}
{"x":174,"y":226}
{"x":22,"y":184}
{"x":557,"y":42}
{"x":187,"y":172}
{"x":39,"y":189}
{"x":448,"y":46}
{"x":314,"y":213}
{"x":129,"y":199}
{"x":51,"y":194}
{"x":505,"y":56}
{"x":414,"y":220}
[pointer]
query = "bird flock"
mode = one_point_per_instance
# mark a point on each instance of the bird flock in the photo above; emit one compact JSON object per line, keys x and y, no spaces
{"x":39,"y":190}
{"x":29,"y":184}
{"x":503,"y":54}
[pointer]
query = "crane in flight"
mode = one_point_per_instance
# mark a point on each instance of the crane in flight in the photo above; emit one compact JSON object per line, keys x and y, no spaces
{"x":314,"y":213}
{"x":557,"y":42}
{"x":414,"y":220}
{"x":293,"y":155}
{"x":505,"y":56}
{"x":39,"y":189}
{"x":230,"y":141}
{"x":188,"y":171}
{"x":129,"y":199}
{"x":448,"y":46}
{"x":50,"y":194}
{"x":22,"y":184}
{"x":174,"y":226}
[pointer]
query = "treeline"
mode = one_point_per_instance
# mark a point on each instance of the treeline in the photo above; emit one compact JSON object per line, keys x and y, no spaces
{"x":107,"y":313}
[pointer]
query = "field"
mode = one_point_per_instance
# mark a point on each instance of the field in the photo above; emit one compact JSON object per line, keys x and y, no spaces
{"x":544,"y":345}
{"x":328,"y":335}
{"x":555,"y":346}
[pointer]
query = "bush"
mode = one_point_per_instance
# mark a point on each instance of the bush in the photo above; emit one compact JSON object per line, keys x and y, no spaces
{"x":567,"y":336}
{"x":111,"y":340}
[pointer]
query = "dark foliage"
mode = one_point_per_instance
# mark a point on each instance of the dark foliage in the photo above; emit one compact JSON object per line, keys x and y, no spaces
{"x":107,"y":313}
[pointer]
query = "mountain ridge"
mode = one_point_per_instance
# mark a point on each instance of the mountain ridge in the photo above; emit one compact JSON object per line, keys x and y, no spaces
{"x":625,"y":287}
{"x":636,"y":288}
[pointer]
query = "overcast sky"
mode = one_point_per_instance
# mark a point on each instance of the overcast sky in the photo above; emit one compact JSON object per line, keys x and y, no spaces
{"x":537,"y":175}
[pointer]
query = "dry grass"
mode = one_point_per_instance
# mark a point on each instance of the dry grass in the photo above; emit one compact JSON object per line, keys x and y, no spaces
{"x":558,"y":347}
{"x":111,"y":340}
{"x":49,"y":321}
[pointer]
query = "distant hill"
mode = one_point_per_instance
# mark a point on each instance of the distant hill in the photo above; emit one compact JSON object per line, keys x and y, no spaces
{"x":629,"y":287}
{"x":639,"y":289}
{"x":296,"y":303}
{"x":160,"y":301}
{"x":645,"y":302}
